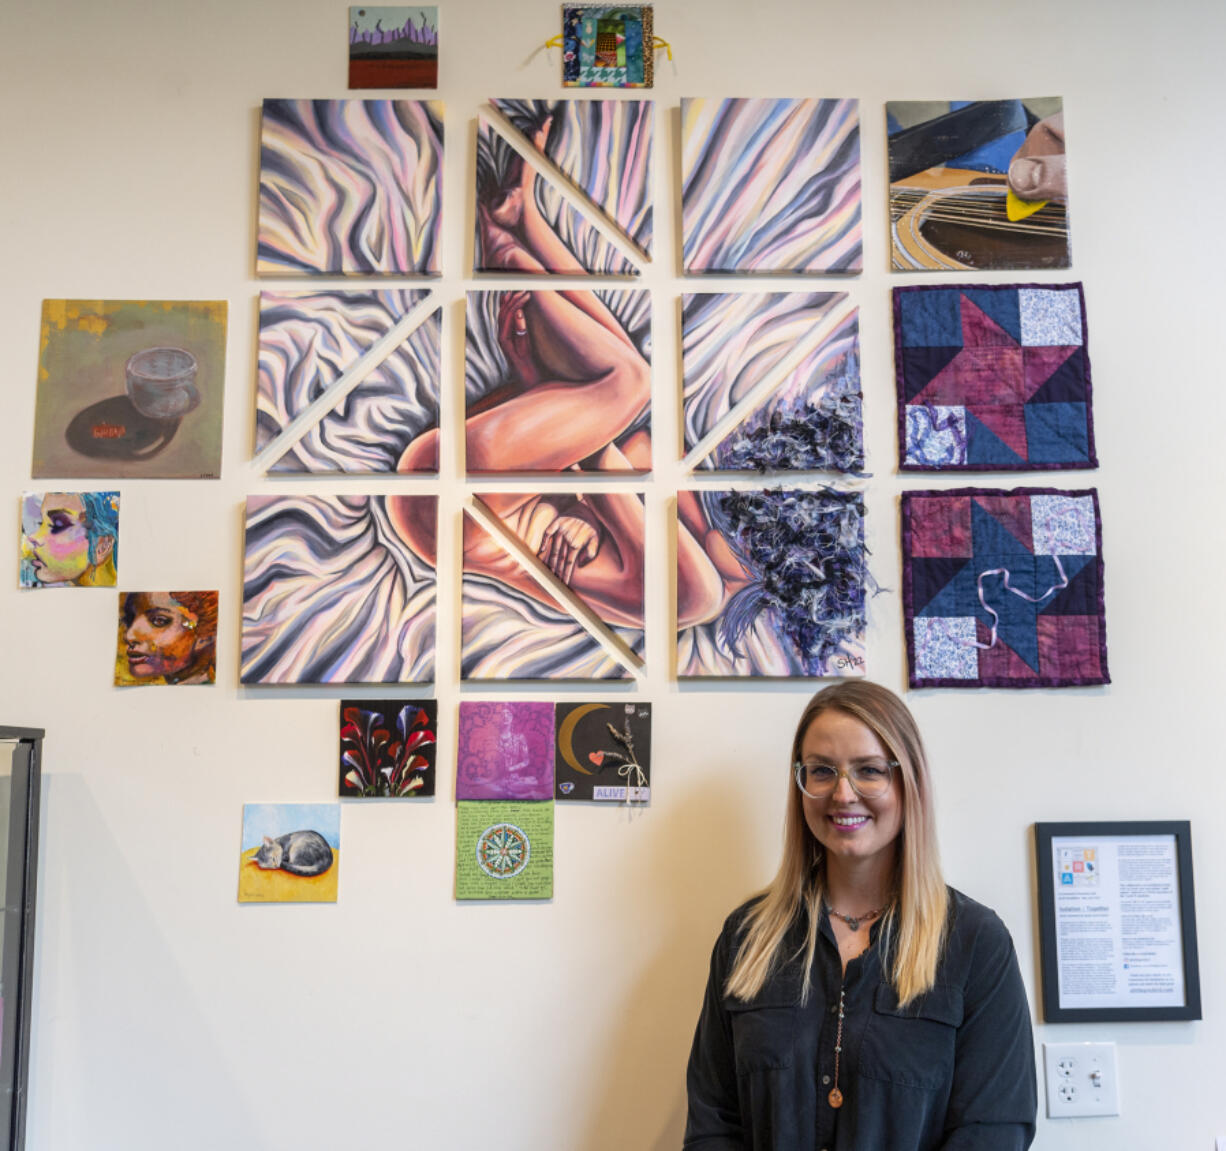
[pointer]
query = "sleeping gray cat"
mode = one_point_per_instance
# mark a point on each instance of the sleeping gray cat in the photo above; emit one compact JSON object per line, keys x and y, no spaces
{"x":299,"y":853}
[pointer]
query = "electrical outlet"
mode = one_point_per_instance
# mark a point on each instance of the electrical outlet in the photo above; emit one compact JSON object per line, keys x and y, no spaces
{"x":1082,"y":1080}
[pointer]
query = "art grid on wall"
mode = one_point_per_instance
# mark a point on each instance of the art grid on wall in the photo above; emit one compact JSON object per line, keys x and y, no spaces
{"x":340,"y":589}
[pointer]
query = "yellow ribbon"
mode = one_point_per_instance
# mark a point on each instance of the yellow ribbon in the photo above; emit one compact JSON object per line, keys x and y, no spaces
{"x":658,"y":42}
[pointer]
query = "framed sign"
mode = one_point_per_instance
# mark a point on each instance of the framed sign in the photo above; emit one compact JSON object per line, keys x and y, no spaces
{"x":1117,"y":921}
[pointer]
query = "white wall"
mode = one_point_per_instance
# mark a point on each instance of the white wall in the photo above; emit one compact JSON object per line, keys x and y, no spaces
{"x":167,"y":1015}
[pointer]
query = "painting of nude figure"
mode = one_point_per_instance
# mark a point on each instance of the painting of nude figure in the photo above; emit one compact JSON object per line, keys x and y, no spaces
{"x":777,"y":587}
{"x":524,"y":223}
{"x":586,"y":550}
{"x":603,"y":150}
{"x":554,"y":382}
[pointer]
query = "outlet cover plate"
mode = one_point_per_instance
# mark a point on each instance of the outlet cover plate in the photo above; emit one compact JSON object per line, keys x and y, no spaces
{"x":1081,"y":1080}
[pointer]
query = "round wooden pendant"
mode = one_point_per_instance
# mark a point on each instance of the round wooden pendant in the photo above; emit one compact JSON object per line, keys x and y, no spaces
{"x":835,"y":1097}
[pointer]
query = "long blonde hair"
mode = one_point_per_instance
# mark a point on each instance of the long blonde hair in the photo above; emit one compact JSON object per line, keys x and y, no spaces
{"x":913,"y":929}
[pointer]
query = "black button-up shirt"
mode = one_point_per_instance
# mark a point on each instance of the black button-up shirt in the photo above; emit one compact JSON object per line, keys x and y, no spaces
{"x":953,"y":1071}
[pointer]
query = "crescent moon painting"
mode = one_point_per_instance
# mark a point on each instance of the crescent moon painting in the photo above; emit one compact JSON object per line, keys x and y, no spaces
{"x":566,"y":733}
{"x":603,"y":752}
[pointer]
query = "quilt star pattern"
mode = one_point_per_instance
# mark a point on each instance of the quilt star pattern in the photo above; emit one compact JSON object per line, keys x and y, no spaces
{"x":1003,"y":588}
{"x":993,"y":378}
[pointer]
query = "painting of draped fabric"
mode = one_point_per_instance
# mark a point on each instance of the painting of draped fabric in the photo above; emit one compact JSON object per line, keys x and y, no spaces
{"x":557,"y":381}
{"x":350,"y":187}
{"x":515,"y":626}
{"x":771,"y":583}
{"x":771,"y":381}
{"x":992,"y":377}
{"x":1004,"y":588}
{"x":977,"y":184}
{"x":604,"y":150}
{"x":315,"y":342}
{"x":770,"y":186}
{"x":339,"y":589}
{"x":523,"y":223}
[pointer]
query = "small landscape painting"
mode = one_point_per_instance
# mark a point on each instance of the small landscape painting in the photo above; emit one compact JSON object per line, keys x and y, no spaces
{"x":393,"y":47}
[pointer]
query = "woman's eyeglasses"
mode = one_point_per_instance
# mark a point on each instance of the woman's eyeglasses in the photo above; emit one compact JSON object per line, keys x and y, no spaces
{"x":869,"y":779}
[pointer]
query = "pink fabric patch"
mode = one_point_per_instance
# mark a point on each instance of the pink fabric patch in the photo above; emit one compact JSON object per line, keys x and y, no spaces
{"x":1007,"y":422}
{"x":1039,"y":365}
{"x":941,"y":526}
{"x":1069,"y":646}
{"x":1013,"y":514}
{"x":989,"y":375}
{"x":1000,"y":660}
{"x":979,"y":330}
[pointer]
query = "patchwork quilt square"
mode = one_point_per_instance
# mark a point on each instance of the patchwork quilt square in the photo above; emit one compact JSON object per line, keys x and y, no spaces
{"x":1003,"y":588}
{"x":992,"y":378}
{"x":607,"y":46}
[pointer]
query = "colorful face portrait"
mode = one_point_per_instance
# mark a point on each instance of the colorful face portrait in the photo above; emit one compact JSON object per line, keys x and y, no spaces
{"x":69,"y":539}
{"x":166,"y":638}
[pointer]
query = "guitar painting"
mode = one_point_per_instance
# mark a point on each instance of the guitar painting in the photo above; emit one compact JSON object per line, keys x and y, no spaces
{"x":977,"y":185}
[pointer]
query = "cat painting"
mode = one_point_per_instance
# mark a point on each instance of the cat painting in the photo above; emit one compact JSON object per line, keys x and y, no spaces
{"x":291,"y":853}
{"x":299,"y":853}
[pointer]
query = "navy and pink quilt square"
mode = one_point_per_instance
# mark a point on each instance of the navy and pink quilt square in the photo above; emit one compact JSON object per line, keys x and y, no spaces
{"x":993,"y":378}
{"x":1003,"y":588}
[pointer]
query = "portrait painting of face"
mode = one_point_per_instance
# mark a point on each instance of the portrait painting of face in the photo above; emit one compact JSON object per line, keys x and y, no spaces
{"x":166,"y":638}
{"x":69,"y":539}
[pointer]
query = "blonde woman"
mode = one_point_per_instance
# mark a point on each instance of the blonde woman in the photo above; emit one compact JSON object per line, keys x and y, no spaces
{"x":859,"y":1004}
